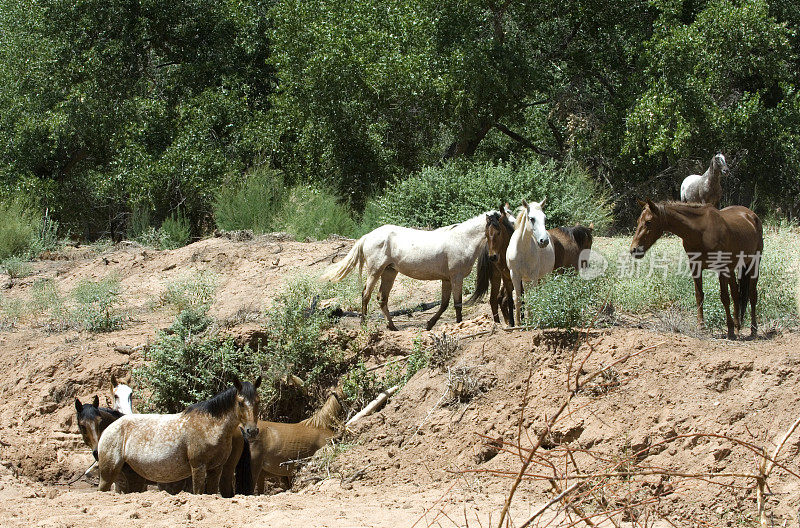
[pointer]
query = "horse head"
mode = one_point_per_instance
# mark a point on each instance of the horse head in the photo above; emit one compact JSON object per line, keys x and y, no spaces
{"x":649,"y":228}
{"x":719,"y":165}
{"x":495,"y":238}
{"x":247,"y":407}
{"x":89,"y":422}
{"x":122,"y":394}
{"x":537,"y":218}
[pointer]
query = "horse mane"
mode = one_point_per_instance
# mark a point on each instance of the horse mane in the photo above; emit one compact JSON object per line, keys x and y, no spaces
{"x":222,"y":402}
{"x":688,"y":207}
{"x":522,"y":220}
{"x":582,"y":235}
{"x":326,"y":416}
{"x":101,"y":410}
{"x":507,"y":223}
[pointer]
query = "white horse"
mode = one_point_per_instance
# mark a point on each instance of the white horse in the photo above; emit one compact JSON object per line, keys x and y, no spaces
{"x":530,"y":254}
{"x":446,"y":254}
{"x":122,"y":394}
{"x":705,"y":188}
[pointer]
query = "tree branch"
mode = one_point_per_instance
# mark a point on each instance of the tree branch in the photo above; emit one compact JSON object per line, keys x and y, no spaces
{"x":525,"y":141}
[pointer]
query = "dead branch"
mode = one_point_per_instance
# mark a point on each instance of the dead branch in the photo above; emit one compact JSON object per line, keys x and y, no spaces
{"x":374,"y":404}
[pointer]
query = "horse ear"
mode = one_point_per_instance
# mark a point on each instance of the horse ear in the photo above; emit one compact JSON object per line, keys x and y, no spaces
{"x":524,"y":204}
{"x":257,"y":384}
{"x":126,"y":379}
{"x":651,"y":204}
{"x":541,"y":204}
{"x":96,"y":401}
{"x":237,"y":384}
{"x":114,"y":381}
{"x":78,"y":405}
{"x":591,"y":226}
{"x":641,"y":203}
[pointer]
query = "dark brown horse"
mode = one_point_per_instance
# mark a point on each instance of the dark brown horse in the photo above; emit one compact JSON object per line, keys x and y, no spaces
{"x":568,"y":243}
{"x":727,"y":241}
{"x":492,"y":268}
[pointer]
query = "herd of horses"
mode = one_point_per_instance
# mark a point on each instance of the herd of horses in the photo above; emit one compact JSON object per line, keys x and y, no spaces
{"x":221,"y":446}
{"x":215,"y":446}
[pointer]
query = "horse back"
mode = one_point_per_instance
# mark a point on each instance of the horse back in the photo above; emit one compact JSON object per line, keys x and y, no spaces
{"x":744,"y":226}
{"x":280,"y":443}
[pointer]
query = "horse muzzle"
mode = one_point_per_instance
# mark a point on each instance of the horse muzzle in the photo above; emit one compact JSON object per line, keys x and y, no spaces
{"x":637,"y":252}
{"x":94,"y":454}
{"x":249,"y":433}
{"x":493,"y":258}
{"x":544,"y":242}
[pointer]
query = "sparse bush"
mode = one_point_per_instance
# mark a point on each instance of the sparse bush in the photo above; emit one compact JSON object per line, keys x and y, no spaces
{"x":251,"y":205}
{"x":563,"y":300}
{"x":439,"y":196}
{"x":16,"y":267}
{"x":193,"y":291}
{"x":97,"y":303}
{"x":45,"y":298}
{"x":443,"y":349}
{"x":17,"y":229}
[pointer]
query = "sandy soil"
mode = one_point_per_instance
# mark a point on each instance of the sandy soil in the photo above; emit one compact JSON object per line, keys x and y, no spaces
{"x":423,"y":452}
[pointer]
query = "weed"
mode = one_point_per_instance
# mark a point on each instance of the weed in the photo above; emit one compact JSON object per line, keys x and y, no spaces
{"x":17,"y":267}
{"x":192,"y":291}
{"x":96,"y":304}
{"x":174,"y":232}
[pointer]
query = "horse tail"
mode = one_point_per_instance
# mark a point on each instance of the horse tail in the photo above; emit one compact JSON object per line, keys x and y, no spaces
{"x":340,"y":270}
{"x":244,"y":475}
{"x":483,"y":274}
{"x":744,"y":291}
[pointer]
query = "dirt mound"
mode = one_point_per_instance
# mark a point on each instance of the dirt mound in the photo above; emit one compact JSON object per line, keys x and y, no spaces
{"x":446,"y":440}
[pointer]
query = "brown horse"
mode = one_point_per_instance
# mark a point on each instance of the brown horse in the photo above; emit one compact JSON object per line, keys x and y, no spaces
{"x":278,"y":446}
{"x":492,"y":267}
{"x":568,"y":243}
{"x":172,"y":447}
{"x":727,"y":241}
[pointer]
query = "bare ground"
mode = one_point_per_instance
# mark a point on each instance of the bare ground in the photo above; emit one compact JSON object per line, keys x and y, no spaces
{"x":422,"y":451}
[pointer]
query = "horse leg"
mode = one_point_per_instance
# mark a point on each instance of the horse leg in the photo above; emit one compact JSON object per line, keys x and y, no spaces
{"x":366,"y":294}
{"x":726,"y":303}
{"x":212,"y":480}
{"x":457,"y":285}
{"x":737,"y":310}
{"x":494,"y":291}
{"x":698,"y":297}
{"x":446,"y":289}
{"x":753,"y":301}
{"x":508,"y":298}
{"x":387,"y":281}
{"x":109,"y":472}
{"x":227,"y":482}
{"x":199,"y":479}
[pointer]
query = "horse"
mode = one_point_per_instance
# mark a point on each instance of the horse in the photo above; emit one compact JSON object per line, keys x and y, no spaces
{"x":493,"y":269}
{"x":278,"y":446}
{"x":727,"y":241}
{"x":172,"y":447}
{"x":446,"y":254}
{"x":121,"y":394}
{"x":92,"y":421}
{"x":569,"y":243}
{"x":530,"y":254}
{"x":705,"y":188}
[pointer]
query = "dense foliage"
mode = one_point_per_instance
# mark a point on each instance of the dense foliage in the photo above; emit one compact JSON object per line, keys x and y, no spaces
{"x":113,"y":107}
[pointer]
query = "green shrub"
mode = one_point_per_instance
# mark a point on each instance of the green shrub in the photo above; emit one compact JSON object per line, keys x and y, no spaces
{"x":253,"y":204}
{"x":439,"y":196}
{"x":175,"y":232}
{"x":22,"y":233}
{"x":316,"y":214}
{"x":563,"y":300}
{"x":96,"y":304}
{"x":45,"y":298}
{"x":16,"y":267}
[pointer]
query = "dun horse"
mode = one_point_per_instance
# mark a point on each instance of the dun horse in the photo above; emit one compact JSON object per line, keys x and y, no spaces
{"x":706,"y":188}
{"x":278,"y":446}
{"x":172,"y":447}
{"x":446,"y":254}
{"x":727,"y":241}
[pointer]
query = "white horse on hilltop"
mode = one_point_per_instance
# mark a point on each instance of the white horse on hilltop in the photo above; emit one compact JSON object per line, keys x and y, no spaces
{"x":706,"y":188}
{"x":530,"y":254}
{"x":446,"y":254}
